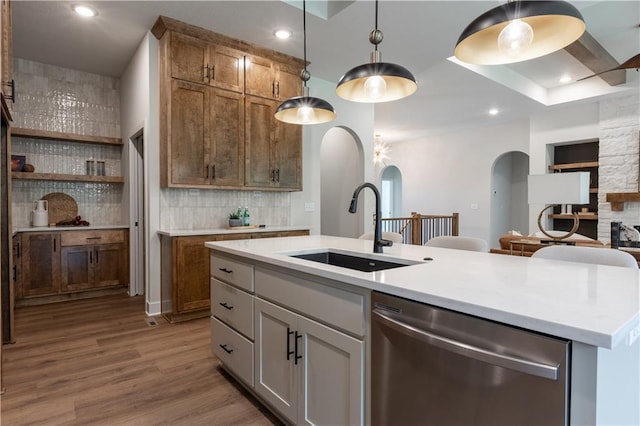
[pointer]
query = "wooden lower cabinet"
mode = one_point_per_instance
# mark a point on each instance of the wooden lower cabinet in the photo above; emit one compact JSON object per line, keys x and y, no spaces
{"x":185,"y":292}
{"x":39,"y":254}
{"x":54,"y":263}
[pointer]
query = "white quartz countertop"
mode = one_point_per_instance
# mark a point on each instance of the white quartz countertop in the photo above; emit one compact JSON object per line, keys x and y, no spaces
{"x":217,"y":231}
{"x":594,"y":304}
{"x":68,"y":228}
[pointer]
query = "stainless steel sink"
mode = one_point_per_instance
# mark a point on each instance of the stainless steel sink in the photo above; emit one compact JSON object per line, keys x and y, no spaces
{"x":359,"y":263}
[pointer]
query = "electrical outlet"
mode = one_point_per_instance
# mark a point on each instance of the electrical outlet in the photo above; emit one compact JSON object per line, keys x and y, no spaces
{"x":310,"y":207}
{"x":474,"y":206}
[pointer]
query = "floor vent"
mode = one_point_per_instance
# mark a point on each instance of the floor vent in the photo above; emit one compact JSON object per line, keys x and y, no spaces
{"x":151,"y":322}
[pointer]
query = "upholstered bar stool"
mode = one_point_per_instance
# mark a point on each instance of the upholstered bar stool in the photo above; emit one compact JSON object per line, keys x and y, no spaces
{"x":602,"y":256}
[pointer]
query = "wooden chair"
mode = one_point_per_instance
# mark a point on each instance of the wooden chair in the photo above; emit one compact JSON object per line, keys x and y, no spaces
{"x":459,"y":243}
{"x":602,"y":256}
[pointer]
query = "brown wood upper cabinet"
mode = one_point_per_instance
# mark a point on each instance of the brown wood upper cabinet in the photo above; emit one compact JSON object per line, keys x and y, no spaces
{"x":217,"y":100}
{"x":271,"y":80}
{"x":201,"y":62}
{"x":273,"y":149}
{"x":206,"y":136}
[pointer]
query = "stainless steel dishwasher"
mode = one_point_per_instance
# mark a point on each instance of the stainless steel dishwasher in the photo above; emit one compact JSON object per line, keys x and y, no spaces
{"x":432,"y":366}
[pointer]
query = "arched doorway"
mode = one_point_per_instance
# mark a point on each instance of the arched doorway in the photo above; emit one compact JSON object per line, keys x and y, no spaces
{"x":509,"y":204}
{"x":341,"y":171}
{"x":391,"y":192}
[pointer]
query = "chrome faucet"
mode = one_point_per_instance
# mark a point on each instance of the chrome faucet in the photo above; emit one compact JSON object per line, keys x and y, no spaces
{"x":378,"y":242}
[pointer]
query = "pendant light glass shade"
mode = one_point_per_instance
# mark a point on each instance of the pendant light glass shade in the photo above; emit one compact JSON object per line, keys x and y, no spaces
{"x":305,"y":109}
{"x":376,"y":81}
{"x":519,"y":31}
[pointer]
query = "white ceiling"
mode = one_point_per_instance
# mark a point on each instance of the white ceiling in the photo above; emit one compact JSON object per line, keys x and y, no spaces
{"x":420,"y":35}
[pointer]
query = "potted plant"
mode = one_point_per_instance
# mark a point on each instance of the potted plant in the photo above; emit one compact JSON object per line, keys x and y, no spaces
{"x":235,"y":220}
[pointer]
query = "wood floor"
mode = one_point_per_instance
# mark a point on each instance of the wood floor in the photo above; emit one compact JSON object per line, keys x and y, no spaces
{"x":98,"y":362}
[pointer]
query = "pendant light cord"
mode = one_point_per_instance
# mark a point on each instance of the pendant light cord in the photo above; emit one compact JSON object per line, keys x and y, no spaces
{"x":304,"y":38}
{"x":376,"y":29}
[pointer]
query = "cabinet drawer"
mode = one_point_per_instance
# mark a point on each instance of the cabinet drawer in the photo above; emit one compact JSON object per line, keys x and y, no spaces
{"x":232,"y":272}
{"x":233,"y":350}
{"x":79,"y":238}
{"x":334,"y":306}
{"x":232,"y":306}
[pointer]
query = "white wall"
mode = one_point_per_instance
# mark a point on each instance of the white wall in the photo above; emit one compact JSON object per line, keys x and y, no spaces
{"x":509,"y":205}
{"x":359,"y":119}
{"x":450,"y":173}
{"x":342,"y":170}
{"x":139,"y":107}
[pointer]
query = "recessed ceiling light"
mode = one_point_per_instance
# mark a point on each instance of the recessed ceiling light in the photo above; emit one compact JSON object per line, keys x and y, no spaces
{"x":565,"y":79}
{"x":282,"y":34}
{"x":84,"y":10}
{"x":494,"y":111}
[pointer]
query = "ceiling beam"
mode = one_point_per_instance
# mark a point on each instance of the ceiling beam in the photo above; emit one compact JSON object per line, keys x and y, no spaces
{"x":595,"y":57}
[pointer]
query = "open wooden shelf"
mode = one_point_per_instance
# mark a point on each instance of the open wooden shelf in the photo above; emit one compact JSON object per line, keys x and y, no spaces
{"x":582,"y":216}
{"x":572,"y":166}
{"x":67,"y":178}
{"x":617,"y":199}
{"x":64,"y":137}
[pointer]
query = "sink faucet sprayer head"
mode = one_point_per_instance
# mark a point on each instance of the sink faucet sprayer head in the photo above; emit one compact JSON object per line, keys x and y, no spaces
{"x":354,"y":205}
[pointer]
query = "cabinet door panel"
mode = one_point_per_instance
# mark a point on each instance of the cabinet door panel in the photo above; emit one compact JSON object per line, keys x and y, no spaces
{"x":110,"y":265}
{"x":188,"y":58}
{"x":227,"y":141}
{"x":259,"y":76}
{"x":333,"y":368}
{"x":288,"y":156}
{"x":259,"y":125}
{"x":40,"y":264}
{"x":228,"y":68}
{"x":77,"y":268}
{"x":288,"y":83}
{"x":191,"y":274}
{"x":275,"y":374}
{"x":189,"y":144}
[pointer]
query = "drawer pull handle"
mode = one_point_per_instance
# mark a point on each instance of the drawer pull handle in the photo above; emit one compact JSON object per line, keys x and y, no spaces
{"x":224,"y":305}
{"x":289,"y":351}
{"x":225,"y":270}
{"x":297,"y":357}
{"x":224,"y":348}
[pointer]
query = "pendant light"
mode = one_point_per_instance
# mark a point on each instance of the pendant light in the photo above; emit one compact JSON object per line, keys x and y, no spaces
{"x":305,"y":109}
{"x":519,"y":30}
{"x":376,"y":81}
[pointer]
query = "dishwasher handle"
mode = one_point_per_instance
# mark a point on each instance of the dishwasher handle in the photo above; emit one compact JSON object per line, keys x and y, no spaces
{"x":514,"y":363}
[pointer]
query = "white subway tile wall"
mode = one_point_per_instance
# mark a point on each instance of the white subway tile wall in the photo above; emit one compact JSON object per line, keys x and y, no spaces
{"x":619,"y":160}
{"x":63,"y":100}
{"x":206,"y":209}
{"x":70,"y":101}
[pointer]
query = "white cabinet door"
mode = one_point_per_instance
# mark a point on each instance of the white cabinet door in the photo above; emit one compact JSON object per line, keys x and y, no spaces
{"x":275,"y":379}
{"x":331,"y":375}
{"x":309,"y":372}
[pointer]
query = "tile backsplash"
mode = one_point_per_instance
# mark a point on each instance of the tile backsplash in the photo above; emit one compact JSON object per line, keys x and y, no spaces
{"x":64,"y":100}
{"x":207,"y":209}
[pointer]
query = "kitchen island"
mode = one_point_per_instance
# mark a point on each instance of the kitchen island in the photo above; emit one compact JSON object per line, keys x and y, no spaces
{"x":595,"y":307}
